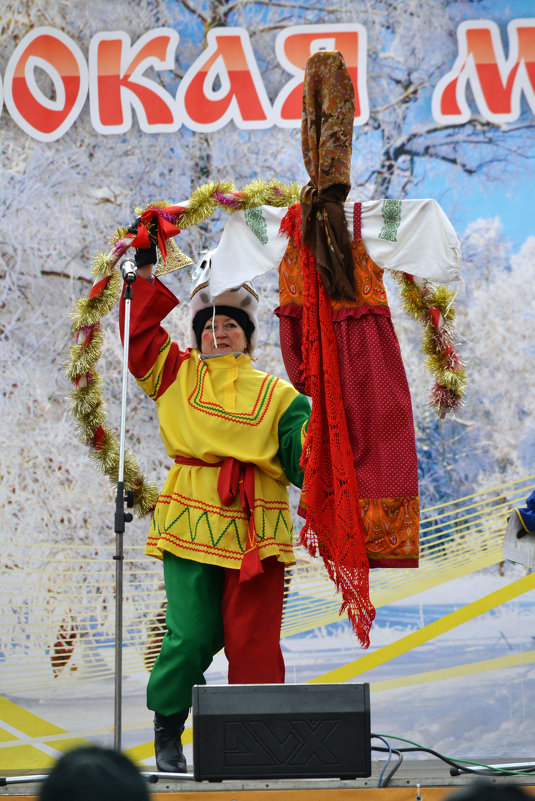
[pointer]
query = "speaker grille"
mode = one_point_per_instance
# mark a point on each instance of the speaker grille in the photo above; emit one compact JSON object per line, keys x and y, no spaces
{"x":274,"y":731}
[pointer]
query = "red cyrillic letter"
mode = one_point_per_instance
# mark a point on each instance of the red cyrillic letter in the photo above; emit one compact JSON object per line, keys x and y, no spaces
{"x":240,"y":96}
{"x":62,"y":60}
{"x":496,"y":83}
{"x":117,"y":83}
{"x":295,"y":45}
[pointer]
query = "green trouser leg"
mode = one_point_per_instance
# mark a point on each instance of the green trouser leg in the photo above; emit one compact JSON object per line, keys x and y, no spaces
{"x":194,"y":632}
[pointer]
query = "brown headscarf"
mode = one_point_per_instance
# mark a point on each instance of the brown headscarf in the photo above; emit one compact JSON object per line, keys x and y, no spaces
{"x":326,"y":137}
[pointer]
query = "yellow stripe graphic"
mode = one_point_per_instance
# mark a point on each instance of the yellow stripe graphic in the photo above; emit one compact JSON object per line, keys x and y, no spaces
{"x":37,"y":743}
{"x":25,"y":721}
{"x":429,"y":632}
{"x":469,"y":669}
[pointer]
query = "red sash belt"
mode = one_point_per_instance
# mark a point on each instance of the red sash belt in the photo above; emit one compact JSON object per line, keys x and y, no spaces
{"x":234,"y":477}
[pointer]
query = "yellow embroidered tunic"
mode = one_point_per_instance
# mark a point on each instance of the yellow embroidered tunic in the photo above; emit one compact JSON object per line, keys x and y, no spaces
{"x":209,"y":410}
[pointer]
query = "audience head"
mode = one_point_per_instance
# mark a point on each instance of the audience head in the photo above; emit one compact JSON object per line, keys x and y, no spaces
{"x":92,"y":773}
{"x":483,"y":790}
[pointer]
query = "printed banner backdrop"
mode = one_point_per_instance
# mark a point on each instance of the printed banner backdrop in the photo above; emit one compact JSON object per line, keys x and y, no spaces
{"x":109,"y":106}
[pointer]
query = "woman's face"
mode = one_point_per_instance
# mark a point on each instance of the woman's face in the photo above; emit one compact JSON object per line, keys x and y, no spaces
{"x":228,"y":334}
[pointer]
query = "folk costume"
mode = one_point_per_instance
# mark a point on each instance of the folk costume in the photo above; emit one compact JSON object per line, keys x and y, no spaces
{"x":338,"y":342}
{"x":222,"y":522}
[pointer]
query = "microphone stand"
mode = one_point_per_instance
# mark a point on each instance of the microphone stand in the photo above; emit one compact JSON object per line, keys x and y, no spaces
{"x":121,"y":517}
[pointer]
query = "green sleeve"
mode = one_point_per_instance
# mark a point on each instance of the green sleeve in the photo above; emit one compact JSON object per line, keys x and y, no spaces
{"x":291,"y":427}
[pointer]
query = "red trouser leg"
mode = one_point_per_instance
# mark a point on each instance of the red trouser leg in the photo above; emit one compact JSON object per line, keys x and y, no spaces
{"x":252,"y":617}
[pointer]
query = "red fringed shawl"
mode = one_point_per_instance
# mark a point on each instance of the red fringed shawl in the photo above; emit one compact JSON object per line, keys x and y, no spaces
{"x":333,"y":525}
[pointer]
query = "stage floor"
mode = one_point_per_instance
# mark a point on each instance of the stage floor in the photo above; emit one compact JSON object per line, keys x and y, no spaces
{"x":428,"y":778}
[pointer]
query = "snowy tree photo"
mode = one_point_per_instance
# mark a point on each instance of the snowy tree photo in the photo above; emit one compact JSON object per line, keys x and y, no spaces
{"x":61,"y":202}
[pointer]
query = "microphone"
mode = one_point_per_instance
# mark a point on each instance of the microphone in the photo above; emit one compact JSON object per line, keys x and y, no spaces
{"x":128,"y":270}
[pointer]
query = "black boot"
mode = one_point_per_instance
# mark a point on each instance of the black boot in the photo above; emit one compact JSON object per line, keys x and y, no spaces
{"x":167,"y":743}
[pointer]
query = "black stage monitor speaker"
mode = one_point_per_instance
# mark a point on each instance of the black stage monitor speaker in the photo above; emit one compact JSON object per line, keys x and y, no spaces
{"x":281,"y":731}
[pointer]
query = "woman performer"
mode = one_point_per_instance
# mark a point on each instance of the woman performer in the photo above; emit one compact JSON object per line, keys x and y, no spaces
{"x":222,"y":523}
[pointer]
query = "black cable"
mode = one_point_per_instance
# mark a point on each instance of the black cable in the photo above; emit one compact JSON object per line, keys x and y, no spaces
{"x":462,"y":768}
{"x":395,"y":768}
{"x":445,"y":759}
{"x":389,"y":749}
{"x":489,"y":770}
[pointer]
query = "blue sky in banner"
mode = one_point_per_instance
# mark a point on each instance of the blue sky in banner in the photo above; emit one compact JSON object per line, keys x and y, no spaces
{"x":468,"y":199}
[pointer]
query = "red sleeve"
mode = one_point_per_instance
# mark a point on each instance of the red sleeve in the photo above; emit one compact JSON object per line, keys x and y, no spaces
{"x":151,"y":303}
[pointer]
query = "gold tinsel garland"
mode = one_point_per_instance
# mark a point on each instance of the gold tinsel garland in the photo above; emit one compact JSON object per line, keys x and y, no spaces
{"x":432,"y":306}
{"x":86,"y":402}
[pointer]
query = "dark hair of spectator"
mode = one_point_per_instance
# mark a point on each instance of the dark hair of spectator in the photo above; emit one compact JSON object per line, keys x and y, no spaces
{"x":92,"y":773}
{"x":484,"y":790}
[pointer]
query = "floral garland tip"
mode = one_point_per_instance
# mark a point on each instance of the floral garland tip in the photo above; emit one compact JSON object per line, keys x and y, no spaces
{"x":432,"y":306}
